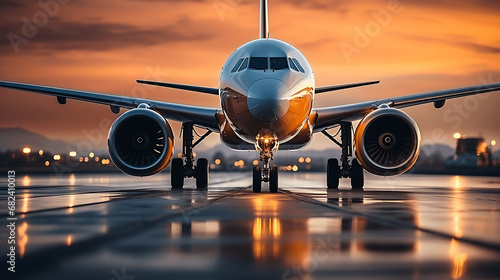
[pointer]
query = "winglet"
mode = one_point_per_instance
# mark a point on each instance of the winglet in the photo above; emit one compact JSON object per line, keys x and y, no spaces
{"x":264,"y":20}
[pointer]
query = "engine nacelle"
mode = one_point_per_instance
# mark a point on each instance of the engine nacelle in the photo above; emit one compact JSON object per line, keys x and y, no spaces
{"x":141,"y":142}
{"x":387,"y":142}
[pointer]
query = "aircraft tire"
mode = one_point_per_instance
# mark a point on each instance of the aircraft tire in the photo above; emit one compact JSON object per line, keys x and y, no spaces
{"x":177,"y":173}
{"x":332,"y":174}
{"x":357,"y":175}
{"x":273,"y":179}
{"x":202,"y":173}
{"x":257,"y":180}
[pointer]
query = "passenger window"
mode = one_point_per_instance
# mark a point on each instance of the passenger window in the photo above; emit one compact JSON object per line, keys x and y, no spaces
{"x":244,"y":65}
{"x":238,"y":64}
{"x":259,"y":63}
{"x":278,"y":63}
{"x":292,"y":65}
{"x":298,"y":65}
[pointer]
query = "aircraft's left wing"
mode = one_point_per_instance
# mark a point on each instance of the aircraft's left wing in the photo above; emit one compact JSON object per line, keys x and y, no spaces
{"x":200,"y":116}
{"x":331,"y":116}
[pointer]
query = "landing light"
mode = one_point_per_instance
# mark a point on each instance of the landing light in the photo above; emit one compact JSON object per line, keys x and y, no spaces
{"x":457,"y":135}
{"x":26,"y":150}
{"x":493,"y":142}
{"x":57,"y":157}
{"x":72,"y":154}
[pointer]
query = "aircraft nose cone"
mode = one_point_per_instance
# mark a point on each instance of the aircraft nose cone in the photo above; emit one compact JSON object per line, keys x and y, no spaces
{"x":267,"y":99}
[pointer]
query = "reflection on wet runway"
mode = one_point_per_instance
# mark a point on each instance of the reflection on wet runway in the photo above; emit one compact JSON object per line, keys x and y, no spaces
{"x":100,"y":226}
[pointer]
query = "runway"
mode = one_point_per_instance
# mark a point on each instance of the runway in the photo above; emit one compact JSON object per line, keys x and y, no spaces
{"x":113,"y":226}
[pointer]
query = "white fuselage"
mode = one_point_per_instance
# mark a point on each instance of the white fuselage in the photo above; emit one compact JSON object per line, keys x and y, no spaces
{"x":266,"y":87}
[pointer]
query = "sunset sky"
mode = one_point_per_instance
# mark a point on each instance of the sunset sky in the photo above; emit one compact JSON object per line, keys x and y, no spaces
{"x":104,"y":46}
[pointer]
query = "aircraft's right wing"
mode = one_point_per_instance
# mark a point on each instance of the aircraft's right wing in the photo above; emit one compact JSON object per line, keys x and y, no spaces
{"x":201,"y":116}
{"x":331,"y":116}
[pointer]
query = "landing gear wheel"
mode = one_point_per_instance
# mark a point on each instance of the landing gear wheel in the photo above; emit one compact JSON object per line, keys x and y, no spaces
{"x":357,"y":175}
{"x":202,"y":173}
{"x":273,"y":179}
{"x":257,"y":180}
{"x":332,"y":173}
{"x":177,"y":173}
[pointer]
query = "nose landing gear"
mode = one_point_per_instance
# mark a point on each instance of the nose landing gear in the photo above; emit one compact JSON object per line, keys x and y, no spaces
{"x":266,"y":143}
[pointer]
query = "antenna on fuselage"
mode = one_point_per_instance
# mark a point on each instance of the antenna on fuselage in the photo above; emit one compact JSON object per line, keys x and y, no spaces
{"x":264,"y":21}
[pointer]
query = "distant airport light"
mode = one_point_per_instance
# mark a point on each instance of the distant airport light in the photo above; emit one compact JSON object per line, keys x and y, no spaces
{"x":457,"y":135}
{"x":57,"y":157}
{"x":493,"y":142}
{"x":295,"y":168}
{"x":47,"y":163}
{"x":217,"y":161}
{"x":81,"y":159}
{"x":255,"y":162}
{"x":40,"y":152}
{"x":72,"y":154}
{"x":26,"y":150}
{"x":91,"y":155}
{"x":105,"y":161}
{"x":301,"y":160}
{"x":86,"y":159}
{"x":96,"y":159}
{"x":308,"y":160}
{"x":194,"y":155}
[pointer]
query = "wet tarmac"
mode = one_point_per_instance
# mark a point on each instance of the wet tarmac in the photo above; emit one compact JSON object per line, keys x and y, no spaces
{"x":113,"y":226}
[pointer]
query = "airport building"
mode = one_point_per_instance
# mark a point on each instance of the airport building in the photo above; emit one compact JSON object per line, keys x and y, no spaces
{"x":471,"y":153}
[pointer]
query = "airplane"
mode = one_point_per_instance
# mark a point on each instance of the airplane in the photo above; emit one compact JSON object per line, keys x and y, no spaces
{"x":266,"y":90}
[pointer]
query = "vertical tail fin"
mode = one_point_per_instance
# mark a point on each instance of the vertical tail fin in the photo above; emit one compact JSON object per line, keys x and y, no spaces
{"x":264,"y":22}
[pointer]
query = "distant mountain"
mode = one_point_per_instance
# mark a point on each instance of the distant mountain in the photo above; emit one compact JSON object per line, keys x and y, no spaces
{"x":18,"y":138}
{"x":444,"y":150}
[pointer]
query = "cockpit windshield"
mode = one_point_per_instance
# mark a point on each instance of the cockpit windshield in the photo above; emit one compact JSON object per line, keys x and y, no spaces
{"x":265,"y":63}
{"x":259,"y":63}
{"x":278,"y":63}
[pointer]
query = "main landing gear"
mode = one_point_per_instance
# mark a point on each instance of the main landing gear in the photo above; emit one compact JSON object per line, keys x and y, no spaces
{"x":185,"y":168}
{"x":266,"y":143}
{"x":334,"y":171}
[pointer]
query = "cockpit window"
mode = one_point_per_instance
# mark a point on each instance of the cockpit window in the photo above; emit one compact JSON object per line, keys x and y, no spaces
{"x":237,"y":66}
{"x":259,"y":63}
{"x":292,"y":65}
{"x":244,"y":65}
{"x":298,"y":65}
{"x":278,"y":63}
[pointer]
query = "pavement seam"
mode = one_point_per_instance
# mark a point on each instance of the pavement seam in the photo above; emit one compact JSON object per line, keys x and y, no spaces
{"x":307,"y":199}
{"x":59,"y":253}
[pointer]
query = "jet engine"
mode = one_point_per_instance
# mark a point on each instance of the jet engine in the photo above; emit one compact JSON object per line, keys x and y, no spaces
{"x":141,"y":142}
{"x":387,"y":141}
